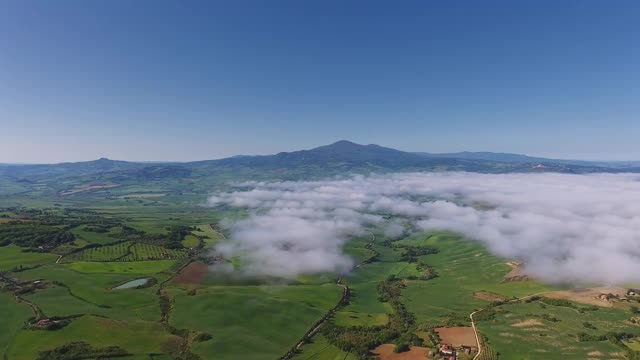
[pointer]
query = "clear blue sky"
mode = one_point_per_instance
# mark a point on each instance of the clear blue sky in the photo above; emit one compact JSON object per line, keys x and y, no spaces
{"x":185,"y":80}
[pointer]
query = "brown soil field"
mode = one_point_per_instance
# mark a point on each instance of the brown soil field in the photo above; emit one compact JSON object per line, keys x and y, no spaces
{"x":192,"y":273}
{"x":527,"y":323}
{"x":385,"y":352}
{"x":516,"y":273}
{"x":457,"y":336}
{"x":488,"y":296}
{"x":590,"y":296}
{"x":87,"y":188}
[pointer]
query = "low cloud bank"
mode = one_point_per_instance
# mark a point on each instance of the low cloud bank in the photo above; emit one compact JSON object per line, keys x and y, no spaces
{"x":564,"y":227}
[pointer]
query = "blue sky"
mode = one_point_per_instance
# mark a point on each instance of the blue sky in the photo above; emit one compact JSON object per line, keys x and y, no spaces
{"x":186,"y":80}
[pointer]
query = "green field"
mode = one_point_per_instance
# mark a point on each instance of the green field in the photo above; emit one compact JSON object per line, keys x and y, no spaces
{"x":450,"y":296}
{"x":81,"y":233}
{"x":321,"y":349}
{"x":259,"y":322}
{"x":211,"y":237}
{"x":12,"y":256}
{"x":190,"y":241}
{"x":13,"y":316}
{"x":135,"y":336}
{"x":130,"y":267}
{"x":523,"y":331}
{"x":75,"y":292}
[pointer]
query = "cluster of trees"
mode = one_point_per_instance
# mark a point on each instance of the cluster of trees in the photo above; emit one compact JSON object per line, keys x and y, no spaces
{"x":82,"y":350}
{"x":68,"y":217}
{"x":49,"y":228}
{"x":569,"y":304}
{"x":390,"y":289}
{"x":485,"y":315}
{"x":546,"y":317}
{"x":616,"y":338}
{"x":34,"y":235}
{"x":428,"y":271}
{"x":411,"y":253}
{"x":176,"y":235}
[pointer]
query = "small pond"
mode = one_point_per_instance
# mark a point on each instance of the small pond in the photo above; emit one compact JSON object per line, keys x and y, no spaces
{"x":132,"y":284}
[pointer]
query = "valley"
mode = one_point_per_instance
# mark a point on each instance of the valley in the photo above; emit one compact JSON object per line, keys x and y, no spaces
{"x":187,"y":309}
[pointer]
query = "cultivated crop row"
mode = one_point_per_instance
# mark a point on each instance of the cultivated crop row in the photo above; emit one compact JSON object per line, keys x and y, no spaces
{"x":125,"y":251}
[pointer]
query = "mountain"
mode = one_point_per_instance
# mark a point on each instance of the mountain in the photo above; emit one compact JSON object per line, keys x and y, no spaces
{"x":342,"y":154}
{"x":339,"y":158}
{"x":334,"y":159}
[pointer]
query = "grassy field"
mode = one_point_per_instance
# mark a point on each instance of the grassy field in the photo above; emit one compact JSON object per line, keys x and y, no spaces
{"x":364,"y":307}
{"x":321,"y":349}
{"x":131,"y":267}
{"x":211,"y":237}
{"x":524,"y":331}
{"x":135,"y":336}
{"x":13,"y":316}
{"x":12,"y":256}
{"x":93,"y":292}
{"x":464,"y":268}
{"x":190,"y":241}
{"x":81,"y":233}
{"x":259,"y":322}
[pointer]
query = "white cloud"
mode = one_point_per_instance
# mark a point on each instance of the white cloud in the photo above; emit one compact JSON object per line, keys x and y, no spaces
{"x":565,"y":227}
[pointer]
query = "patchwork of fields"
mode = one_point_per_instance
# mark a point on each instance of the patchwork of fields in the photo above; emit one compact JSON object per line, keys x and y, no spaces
{"x":417,"y":290}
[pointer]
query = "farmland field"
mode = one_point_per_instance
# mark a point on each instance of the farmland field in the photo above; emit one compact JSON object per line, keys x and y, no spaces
{"x":125,"y":251}
{"x":132,"y":267}
{"x":321,"y":349}
{"x":13,"y":316}
{"x":236,"y":316}
{"x":69,"y":288}
{"x":93,"y":237}
{"x":243,"y":317}
{"x":12,"y":256}
{"x":135,"y":336}
{"x":527,"y":330}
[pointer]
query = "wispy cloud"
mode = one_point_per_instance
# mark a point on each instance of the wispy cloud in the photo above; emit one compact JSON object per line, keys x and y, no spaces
{"x":564,"y":227}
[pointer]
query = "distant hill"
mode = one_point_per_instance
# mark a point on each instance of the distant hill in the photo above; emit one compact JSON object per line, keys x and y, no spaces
{"x":518,"y":158}
{"x":35,"y":171}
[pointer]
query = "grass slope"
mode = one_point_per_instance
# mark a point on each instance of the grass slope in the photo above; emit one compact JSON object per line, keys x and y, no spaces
{"x":252,"y":322}
{"x":13,"y":316}
{"x":523,"y":331}
{"x":91,"y":293}
{"x":135,"y":336}
{"x":464,"y":268}
{"x":12,"y":256}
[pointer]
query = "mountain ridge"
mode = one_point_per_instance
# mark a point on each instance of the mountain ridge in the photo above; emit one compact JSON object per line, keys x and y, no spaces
{"x":340,"y":156}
